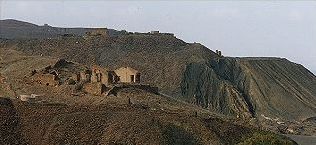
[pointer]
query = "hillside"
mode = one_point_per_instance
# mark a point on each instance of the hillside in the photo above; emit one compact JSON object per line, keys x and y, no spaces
{"x":133,"y":116}
{"x":269,"y":89}
{"x":272,"y":87}
{"x":158,"y":57}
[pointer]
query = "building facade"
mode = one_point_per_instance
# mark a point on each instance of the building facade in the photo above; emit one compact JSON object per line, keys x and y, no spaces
{"x":127,"y":75}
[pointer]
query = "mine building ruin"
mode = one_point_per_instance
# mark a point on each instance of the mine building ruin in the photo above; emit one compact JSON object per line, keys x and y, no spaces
{"x":95,"y":80}
{"x":127,"y":75}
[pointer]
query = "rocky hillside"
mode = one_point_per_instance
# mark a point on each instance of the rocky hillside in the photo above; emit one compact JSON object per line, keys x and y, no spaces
{"x":242,"y":87}
{"x":160,"y":58}
{"x":133,"y":116}
{"x":271,"y":87}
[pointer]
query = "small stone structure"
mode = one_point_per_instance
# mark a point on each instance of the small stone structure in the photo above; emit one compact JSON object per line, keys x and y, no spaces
{"x":158,"y":33}
{"x":127,"y":75}
{"x":219,"y":53}
{"x":154,"y":32}
{"x":31,"y":97}
{"x":98,"y":32}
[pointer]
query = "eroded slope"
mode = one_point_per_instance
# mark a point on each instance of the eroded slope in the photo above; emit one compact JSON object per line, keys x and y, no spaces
{"x":271,"y":87}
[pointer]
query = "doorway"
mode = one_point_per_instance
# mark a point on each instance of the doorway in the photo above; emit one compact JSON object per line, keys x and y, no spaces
{"x":132,"y":78}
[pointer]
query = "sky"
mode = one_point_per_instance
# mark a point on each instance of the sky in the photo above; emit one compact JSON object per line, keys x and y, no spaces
{"x":262,"y":28}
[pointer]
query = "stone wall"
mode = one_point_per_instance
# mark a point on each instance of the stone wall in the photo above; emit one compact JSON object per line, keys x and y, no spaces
{"x":99,"y":74}
{"x":117,"y":87}
{"x":96,"y":88}
{"x":46,"y":79}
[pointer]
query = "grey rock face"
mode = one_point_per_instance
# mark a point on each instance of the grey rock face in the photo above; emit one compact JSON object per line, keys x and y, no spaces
{"x":253,"y":87}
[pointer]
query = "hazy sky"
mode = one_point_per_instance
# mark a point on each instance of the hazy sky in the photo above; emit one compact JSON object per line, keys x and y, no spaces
{"x":282,"y":29}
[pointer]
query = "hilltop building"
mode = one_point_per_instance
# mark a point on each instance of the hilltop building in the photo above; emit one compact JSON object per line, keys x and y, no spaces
{"x":154,"y":32}
{"x":98,"y":32}
{"x":219,"y":53}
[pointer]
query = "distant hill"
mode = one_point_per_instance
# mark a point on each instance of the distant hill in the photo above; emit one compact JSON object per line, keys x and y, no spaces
{"x":259,"y":88}
{"x":14,"y":29}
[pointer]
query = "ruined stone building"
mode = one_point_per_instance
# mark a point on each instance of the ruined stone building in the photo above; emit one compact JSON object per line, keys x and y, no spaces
{"x":48,"y":78}
{"x":83,"y":76}
{"x":96,"y":74}
{"x":127,"y":75}
{"x":108,"y":77}
{"x":94,"y":80}
{"x":98,"y":80}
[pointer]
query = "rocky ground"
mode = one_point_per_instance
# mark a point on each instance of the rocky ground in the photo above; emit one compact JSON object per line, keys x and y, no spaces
{"x":144,"y":120}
